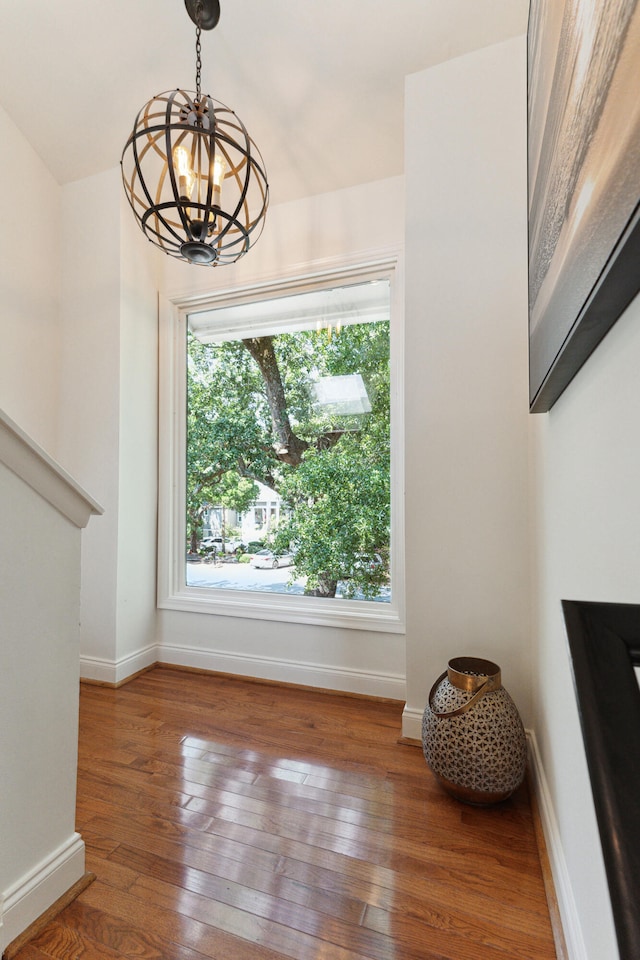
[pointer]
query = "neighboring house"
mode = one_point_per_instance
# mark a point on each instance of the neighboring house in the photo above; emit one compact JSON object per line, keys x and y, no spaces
{"x":258,"y":522}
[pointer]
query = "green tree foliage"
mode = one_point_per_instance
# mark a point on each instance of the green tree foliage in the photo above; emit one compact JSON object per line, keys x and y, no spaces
{"x":252,"y":416}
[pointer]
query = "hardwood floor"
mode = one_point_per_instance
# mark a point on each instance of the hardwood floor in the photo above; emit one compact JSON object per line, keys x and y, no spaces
{"x":234,"y":820}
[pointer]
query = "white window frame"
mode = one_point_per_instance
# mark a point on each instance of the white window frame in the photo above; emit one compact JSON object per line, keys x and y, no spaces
{"x":173,"y":593}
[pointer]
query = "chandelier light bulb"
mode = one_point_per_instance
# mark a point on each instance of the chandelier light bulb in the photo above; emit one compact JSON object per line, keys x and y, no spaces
{"x":186,"y":177}
{"x":219,"y":170}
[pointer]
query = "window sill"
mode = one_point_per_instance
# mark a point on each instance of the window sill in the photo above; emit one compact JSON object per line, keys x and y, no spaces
{"x":345,"y":614}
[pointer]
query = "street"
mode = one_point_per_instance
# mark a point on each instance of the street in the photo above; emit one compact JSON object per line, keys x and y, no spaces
{"x":243,"y":576}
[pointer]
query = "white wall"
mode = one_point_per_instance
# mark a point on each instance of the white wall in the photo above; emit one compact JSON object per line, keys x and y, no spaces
{"x":38,"y":699}
{"x":138,"y":450}
{"x":348,"y":223}
{"x":41,"y":856}
{"x":108,"y":419}
{"x":588,"y":548}
{"x":30,"y":286}
{"x":89,"y":408}
{"x":466,"y":371}
{"x":78,"y":372}
{"x":306,"y":235}
{"x":41,"y":512}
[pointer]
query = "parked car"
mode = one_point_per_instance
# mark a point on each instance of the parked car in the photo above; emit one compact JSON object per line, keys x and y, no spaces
{"x":215,"y":543}
{"x":369,"y":562}
{"x":254,"y":546}
{"x":268,"y":560}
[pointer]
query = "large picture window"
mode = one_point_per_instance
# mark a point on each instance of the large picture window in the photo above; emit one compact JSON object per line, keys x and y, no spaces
{"x":284,"y":454}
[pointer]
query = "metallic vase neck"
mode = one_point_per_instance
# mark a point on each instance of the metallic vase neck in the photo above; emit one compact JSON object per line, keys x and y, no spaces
{"x":471,"y":673}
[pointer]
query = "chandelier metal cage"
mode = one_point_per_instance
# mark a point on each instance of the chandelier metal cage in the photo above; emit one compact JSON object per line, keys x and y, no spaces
{"x":194,"y":178}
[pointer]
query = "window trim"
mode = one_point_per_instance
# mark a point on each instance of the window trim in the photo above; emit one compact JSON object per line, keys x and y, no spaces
{"x":173,"y":593}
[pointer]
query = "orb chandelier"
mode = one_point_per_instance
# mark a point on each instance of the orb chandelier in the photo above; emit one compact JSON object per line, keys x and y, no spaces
{"x":193,"y":176}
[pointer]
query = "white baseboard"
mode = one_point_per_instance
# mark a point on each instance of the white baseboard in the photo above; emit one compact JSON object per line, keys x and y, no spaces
{"x":412,"y":723}
{"x":571,"y":926}
{"x":326,"y":677}
{"x":37,"y":890}
{"x":389,"y":686}
{"x":114,"y":672}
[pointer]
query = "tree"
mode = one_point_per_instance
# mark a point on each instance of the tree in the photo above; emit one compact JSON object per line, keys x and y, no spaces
{"x":252,"y":414}
{"x":224,"y":432}
{"x":340,"y":517}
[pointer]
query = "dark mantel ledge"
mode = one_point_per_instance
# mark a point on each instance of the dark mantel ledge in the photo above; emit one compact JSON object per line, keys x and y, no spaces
{"x":604,"y":641}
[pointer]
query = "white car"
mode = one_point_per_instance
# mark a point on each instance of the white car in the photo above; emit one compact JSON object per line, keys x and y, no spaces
{"x":369,"y":562}
{"x":268,"y":560}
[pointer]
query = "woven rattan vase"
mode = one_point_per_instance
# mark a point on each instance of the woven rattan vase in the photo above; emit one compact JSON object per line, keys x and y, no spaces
{"x":472,"y":735}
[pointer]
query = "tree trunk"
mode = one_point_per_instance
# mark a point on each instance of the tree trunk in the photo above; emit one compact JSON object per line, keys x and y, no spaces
{"x":326,"y":587}
{"x":288,"y":447}
{"x":194,"y":539}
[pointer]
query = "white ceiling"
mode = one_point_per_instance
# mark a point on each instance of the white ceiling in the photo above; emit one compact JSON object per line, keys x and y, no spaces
{"x":318,"y":83}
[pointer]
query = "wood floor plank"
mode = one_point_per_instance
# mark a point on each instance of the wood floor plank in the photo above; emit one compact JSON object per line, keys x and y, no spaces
{"x":251,"y":867}
{"x":62,"y":940}
{"x":31,"y":952}
{"x":384,"y":835}
{"x":220,"y":873}
{"x":262,"y":782}
{"x":295,"y":932}
{"x":111,"y":871}
{"x":241,"y":843}
{"x":223,"y":932}
{"x":98,"y":934}
{"x":237,"y":820}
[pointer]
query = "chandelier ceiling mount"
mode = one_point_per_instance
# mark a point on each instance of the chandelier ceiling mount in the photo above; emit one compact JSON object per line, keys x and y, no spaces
{"x":204,"y":13}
